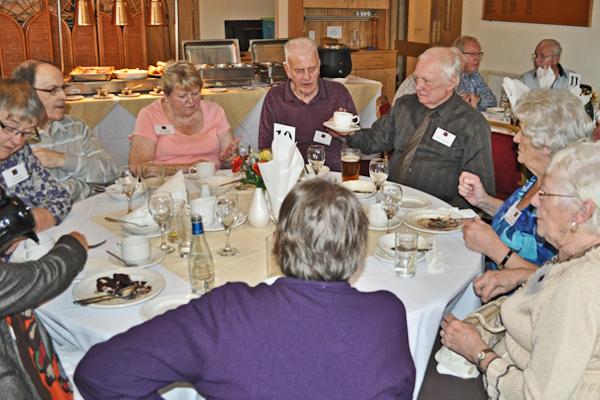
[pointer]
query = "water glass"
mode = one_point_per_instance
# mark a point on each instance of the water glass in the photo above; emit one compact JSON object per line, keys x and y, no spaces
{"x":405,"y":254}
{"x":378,"y":171}
{"x":316,"y":157}
{"x":160,"y":206}
{"x":128,"y":180}
{"x":184,"y":231}
{"x":390,"y":197}
{"x":228,"y":207}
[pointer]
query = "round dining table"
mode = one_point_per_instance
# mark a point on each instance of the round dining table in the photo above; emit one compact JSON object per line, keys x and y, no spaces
{"x":427,"y":296}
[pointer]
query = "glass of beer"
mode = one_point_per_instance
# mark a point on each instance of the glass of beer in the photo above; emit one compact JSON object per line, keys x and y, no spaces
{"x":350,"y":164}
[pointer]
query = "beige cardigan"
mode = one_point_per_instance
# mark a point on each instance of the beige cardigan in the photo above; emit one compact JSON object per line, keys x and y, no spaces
{"x":552,"y":346}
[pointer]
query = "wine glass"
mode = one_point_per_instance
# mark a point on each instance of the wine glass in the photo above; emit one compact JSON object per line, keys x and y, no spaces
{"x":316,"y":157}
{"x":128,"y":181}
{"x":378,"y":171}
{"x":227,"y":208}
{"x":391,"y":199}
{"x":160,"y":205}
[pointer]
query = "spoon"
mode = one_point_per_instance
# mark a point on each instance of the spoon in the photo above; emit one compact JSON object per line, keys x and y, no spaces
{"x":125,"y":263}
{"x":93,"y":246}
{"x":127,"y":292}
{"x":111,"y":219}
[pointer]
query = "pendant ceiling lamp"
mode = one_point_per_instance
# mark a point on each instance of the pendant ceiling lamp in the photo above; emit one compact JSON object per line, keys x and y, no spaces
{"x":120,"y":15}
{"x":84,"y":13}
{"x":156,"y":16}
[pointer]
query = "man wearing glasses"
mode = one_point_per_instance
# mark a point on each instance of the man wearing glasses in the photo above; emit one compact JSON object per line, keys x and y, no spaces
{"x":305,"y":101}
{"x":546,"y":62}
{"x":67,"y":148}
{"x":472,"y":87}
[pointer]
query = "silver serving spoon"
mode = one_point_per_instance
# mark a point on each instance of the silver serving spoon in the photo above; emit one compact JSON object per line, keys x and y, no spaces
{"x":122,"y":221}
{"x":127,"y":292}
{"x":121,"y":259}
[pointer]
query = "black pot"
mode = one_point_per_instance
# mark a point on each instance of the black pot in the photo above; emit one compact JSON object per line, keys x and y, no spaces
{"x":335,"y":61}
{"x":16,"y":221}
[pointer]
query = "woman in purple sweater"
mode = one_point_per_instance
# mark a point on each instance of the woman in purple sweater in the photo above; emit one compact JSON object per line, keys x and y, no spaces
{"x":309,"y":335}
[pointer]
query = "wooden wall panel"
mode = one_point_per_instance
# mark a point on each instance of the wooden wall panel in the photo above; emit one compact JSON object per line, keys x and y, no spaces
{"x":38,"y":37}
{"x":12,"y":45}
{"x":67,"y":43}
{"x":85,"y":46}
{"x":110,"y":40}
{"x":134,"y":39}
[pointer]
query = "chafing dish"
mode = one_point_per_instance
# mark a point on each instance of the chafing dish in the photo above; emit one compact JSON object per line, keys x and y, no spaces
{"x":225,"y":51}
{"x":269,"y":56}
{"x":226,"y":75}
{"x":113,"y":86}
{"x":271,"y":72}
{"x":87,"y":74}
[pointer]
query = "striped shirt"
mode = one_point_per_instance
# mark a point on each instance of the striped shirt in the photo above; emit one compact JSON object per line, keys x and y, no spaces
{"x":474,"y":83}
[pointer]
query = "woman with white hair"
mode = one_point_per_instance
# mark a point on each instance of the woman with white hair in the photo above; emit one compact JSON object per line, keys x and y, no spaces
{"x":309,"y":335}
{"x":551,"y":347}
{"x":549,"y":121}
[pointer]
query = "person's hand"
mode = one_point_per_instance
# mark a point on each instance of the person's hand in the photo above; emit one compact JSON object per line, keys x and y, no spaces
{"x":49,"y":158}
{"x":471,"y":188}
{"x":229,"y":152}
{"x":462,"y":338}
{"x":470,"y":98}
{"x":80,"y":238}
{"x":480,"y":237}
{"x":494,"y":283}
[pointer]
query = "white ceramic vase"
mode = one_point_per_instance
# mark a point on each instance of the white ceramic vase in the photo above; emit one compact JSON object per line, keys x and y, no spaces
{"x":258,"y":215}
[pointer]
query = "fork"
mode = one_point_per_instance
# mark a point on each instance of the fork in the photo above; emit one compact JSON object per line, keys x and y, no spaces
{"x":111,"y":219}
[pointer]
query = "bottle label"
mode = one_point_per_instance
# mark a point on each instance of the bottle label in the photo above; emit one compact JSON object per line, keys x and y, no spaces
{"x":197,"y":228}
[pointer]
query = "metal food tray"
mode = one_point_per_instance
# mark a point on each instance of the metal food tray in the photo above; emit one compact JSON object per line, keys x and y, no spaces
{"x":90,"y":77}
{"x":228,"y":76}
{"x":267,"y":50}
{"x":225,"y":51}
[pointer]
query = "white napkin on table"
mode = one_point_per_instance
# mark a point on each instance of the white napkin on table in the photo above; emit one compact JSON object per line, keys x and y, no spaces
{"x":282,"y":172}
{"x":514,"y":89}
{"x":450,"y":363}
{"x":174,"y":185}
{"x":545,"y":77}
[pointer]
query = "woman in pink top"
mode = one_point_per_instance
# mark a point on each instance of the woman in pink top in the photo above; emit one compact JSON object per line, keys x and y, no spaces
{"x":181,"y":128}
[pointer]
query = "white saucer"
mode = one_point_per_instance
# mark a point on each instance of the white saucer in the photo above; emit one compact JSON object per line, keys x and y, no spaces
{"x":352,"y":128}
{"x":216,"y":90}
{"x":152,"y":93}
{"x":162,"y":304}
{"x":216,"y":226}
{"x":396,"y":222}
{"x":108,"y":96}
{"x":382,"y":256}
{"x":412,"y":202}
{"x":136,"y":94}
{"x":157,"y":256}
{"x":114,"y":192}
{"x":148,"y":231}
{"x":74,"y":97}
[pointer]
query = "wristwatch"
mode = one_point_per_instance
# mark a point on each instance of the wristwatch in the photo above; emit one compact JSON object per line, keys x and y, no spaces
{"x":481,"y":356}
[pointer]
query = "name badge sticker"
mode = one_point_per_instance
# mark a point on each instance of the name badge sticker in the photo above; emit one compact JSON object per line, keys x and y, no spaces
{"x":164,"y":129}
{"x":444,"y":137}
{"x":15,"y":175}
{"x":512,"y":215}
{"x":285,"y":130}
{"x":574,"y":79}
{"x":322,"y":137}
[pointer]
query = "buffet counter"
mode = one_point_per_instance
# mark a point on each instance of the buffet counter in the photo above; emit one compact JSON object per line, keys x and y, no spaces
{"x":113,"y":119}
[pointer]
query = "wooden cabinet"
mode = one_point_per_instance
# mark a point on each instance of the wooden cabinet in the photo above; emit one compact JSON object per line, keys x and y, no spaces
{"x":362,"y":4}
{"x":379,"y":65}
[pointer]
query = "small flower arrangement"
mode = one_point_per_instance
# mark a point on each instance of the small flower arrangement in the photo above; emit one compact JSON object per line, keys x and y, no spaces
{"x":248,"y":165}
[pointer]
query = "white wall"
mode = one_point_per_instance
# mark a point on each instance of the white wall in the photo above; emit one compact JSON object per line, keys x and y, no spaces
{"x":508,"y":45}
{"x":213,"y":14}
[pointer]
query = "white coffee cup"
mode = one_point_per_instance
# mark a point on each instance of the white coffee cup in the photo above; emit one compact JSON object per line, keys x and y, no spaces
{"x":345,"y":120}
{"x":203,"y":169}
{"x":205,"y":191}
{"x":34,"y":251}
{"x":135,"y":249}
{"x":204,"y":206}
{"x":377,"y":217}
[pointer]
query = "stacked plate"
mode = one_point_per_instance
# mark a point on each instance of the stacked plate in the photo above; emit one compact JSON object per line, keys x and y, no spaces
{"x":386,"y":243}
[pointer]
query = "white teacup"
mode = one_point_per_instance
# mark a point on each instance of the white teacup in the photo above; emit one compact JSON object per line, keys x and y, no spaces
{"x":203,"y":169}
{"x":34,"y":251}
{"x":135,"y":249}
{"x":205,"y":191}
{"x":204,"y":206}
{"x":377,"y":217}
{"x":345,"y":120}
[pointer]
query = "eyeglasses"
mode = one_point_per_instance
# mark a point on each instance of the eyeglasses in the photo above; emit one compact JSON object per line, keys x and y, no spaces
{"x":302,"y":71}
{"x":14,"y":131}
{"x":541,"y":56}
{"x":54,"y":90}
{"x":543,"y":194}
{"x":473,"y":54}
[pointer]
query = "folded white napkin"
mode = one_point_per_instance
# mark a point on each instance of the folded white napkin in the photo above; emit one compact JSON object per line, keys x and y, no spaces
{"x":545,"y":77}
{"x":450,"y":363}
{"x":576,"y":90}
{"x":174,"y":185}
{"x":514,"y":89}
{"x":282,"y":172}
{"x":436,"y":264}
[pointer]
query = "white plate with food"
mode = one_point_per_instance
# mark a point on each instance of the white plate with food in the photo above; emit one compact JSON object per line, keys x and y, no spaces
{"x":361,"y":189}
{"x":115,"y":192}
{"x":386,"y":244}
{"x":162,"y":304}
{"x":351,"y":128}
{"x":74,"y":97}
{"x":410,"y":202}
{"x":132,"y":73}
{"x":216,"y":225}
{"x":156,"y":257}
{"x":150,"y":284}
{"x":135,"y":94}
{"x":105,"y":97}
{"x":433,"y":221}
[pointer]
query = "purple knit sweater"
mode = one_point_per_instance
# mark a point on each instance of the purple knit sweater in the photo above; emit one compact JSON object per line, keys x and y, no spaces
{"x":293,"y":340}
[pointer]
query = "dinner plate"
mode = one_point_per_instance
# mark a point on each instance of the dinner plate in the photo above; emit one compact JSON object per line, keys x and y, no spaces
{"x":216,"y":90}
{"x":114,"y":192}
{"x":382,"y":256}
{"x":361,"y":189}
{"x":410,"y":202}
{"x":74,"y":97}
{"x":156,"y":93}
{"x":136,"y":94}
{"x":387,"y":242}
{"x":156,"y":257}
{"x":417,"y":218}
{"x":93,"y":265}
{"x":150,"y":231}
{"x":216,"y":226}
{"x":108,"y":96}
{"x":87,"y":287}
{"x":162,"y":304}
{"x":352,"y":128}
{"x":396,"y":222}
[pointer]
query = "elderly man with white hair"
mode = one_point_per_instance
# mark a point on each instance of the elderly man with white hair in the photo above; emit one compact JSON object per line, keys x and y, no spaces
{"x":434,"y":133}
{"x":547,"y":58}
{"x":305,"y":101}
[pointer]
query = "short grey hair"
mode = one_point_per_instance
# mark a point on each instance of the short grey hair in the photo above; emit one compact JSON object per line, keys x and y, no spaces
{"x":556,"y":47}
{"x":448,"y":59}
{"x":302,"y":44}
{"x":27,"y":70}
{"x":553,"y":118}
{"x":19,"y":100}
{"x":322,"y":232}
{"x":460,"y":42}
{"x":183,"y":74}
{"x":577,"y":168}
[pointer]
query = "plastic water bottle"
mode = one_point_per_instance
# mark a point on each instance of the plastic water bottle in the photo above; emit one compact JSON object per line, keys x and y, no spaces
{"x":201,"y":265}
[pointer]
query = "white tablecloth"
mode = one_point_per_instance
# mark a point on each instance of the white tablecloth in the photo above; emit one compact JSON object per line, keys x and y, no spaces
{"x":426,"y":296}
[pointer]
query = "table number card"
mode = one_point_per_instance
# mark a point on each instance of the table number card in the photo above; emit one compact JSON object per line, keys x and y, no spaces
{"x":285,"y":130}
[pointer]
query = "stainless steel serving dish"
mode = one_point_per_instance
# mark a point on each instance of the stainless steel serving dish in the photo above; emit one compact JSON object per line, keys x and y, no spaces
{"x":267,"y":50}
{"x":113,"y":86}
{"x":226,"y":75}
{"x":223,"y":51}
